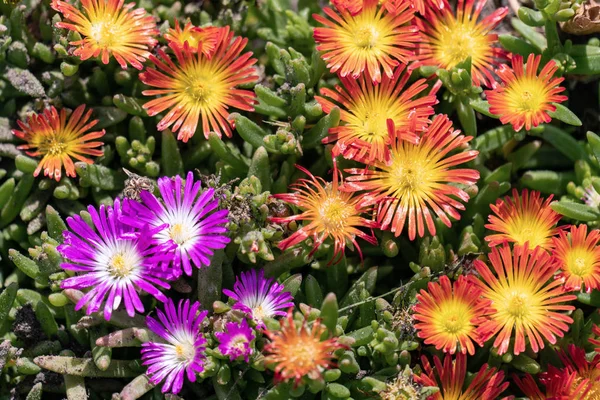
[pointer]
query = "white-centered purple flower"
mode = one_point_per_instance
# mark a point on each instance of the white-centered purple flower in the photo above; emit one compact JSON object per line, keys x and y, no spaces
{"x":591,"y":197}
{"x":191,"y":221}
{"x":113,"y":261}
{"x":259,"y":297}
{"x":182,"y":353}
{"x":236,"y":341}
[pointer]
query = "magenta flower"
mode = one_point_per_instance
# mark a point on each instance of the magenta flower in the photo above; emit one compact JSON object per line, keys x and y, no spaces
{"x":183,"y":352}
{"x":259,"y":297}
{"x":113,"y":260}
{"x":235,"y":341}
{"x":192,"y":223}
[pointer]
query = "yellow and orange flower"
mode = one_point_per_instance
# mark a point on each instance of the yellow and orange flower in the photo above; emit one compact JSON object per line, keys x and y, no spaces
{"x":110,"y":27}
{"x":578,"y":255}
{"x":559,"y":385}
{"x":575,"y":361}
{"x":328,"y":213}
{"x":58,"y":139}
{"x":525,"y":98}
{"x":298,"y":352}
{"x":206,"y":38}
{"x":366,"y":109}
{"x":198,"y":87}
{"x":451,"y":376}
{"x":449,"y":314}
{"x":366,"y":39}
{"x":449,"y":39}
{"x":523,"y":298}
{"x":523,"y":218}
{"x":418,"y":180}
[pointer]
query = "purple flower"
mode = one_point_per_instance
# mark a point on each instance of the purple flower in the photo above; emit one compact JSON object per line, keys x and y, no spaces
{"x":190,"y":221}
{"x":259,"y":297}
{"x":113,"y":261}
{"x":235,"y":341}
{"x":183,"y":352}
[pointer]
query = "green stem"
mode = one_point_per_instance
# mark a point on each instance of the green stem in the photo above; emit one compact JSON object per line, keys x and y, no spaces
{"x":554,"y":44}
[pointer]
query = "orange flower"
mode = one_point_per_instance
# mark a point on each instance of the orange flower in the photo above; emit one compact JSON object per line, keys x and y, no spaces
{"x":559,"y":384}
{"x":58,"y":140}
{"x":579,"y":258}
{"x":525,"y":98}
{"x":448,"y":314}
{"x":328,"y":212}
{"x":450,"y":39}
{"x":206,"y":38}
{"x":200,"y":87}
{"x":523,"y":298}
{"x":418,"y":179}
{"x":366,"y":110}
{"x":298,"y":352}
{"x":575,"y":361}
{"x":595,"y":342}
{"x":450,"y":377}
{"x":371,"y":39}
{"x":521,"y":219}
{"x":109,"y":27}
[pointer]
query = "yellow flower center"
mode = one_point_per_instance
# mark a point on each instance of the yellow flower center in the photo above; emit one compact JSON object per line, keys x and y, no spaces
{"x":258,"y":312}
{"x":580,"y":261}
{"x":54,"y":147}
{"x":454,"y":41}
{"x":200,"y":90}
{"x":179,"y":233}
{"x":526,"y":95}
{"x":334,"y":212}
{"x":190,"y":38}
{"x":369,"y":113}
{"x":517,"y":305}
{"x":528,"y":228}
{"x":594,"y":392}
{"x":105,"y":33}
{"x":119,"y":266}
{"x":366,"y":37}
{"x":185,"y":351}
{"x":454,"y":318}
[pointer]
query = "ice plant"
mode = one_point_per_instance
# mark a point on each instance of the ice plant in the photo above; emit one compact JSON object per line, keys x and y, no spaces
{"x":199,"y":88}
{"x":596,"y":341}
{"x":206,"y":37}
{"x":182,"y":352}
{"x":366,"y":108}
{"x":591,"y":197}
{"x":299,"y":352}
{"x":113,"y":261}
{"x":450,"y":377}
{"x":575,"y":361}
{"x":559,"y":385}
{"x":525,"y":97}
{"x":418,"y":180}
{"x":192,"y":223}
{"x":236,"y":341}
{"x":522,"y":218}
{"x":259,"y":297}
{"x":327,"y":213}
{"x":367,"y":41}
{"x":59,"y":140}
{"x":449,"y":313}
{"x":450,"y":38}
{"x":525,"y":302}
{"x":578,"y":255}
{"x":110,"y":28}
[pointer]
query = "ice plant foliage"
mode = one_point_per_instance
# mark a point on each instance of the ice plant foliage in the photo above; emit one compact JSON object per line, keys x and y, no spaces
{"x":525,"y":97}
{"x":578,"y":255}
{"x":299,"y":352}
{"x":524,"y":217}
{"x":327,"y":213}
{"x":182,"y":353}
{"x":199,"y":88}
{"x":366,"y":108}
{"x":368,"y":40}
{"x":59,"y":139}
{"x":236,"y":341}
{"x":113,"y":261}
{"x":192,"y":224}
{"x":449,"y":313}
{"x":259,"y":297}
{"x":206,"y":37}
{"x":450,"y":377}
{"x":450,"y":38}
{"x":419,"y":181}
{"x":110,"y":28}
{"x":525,"y":303}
